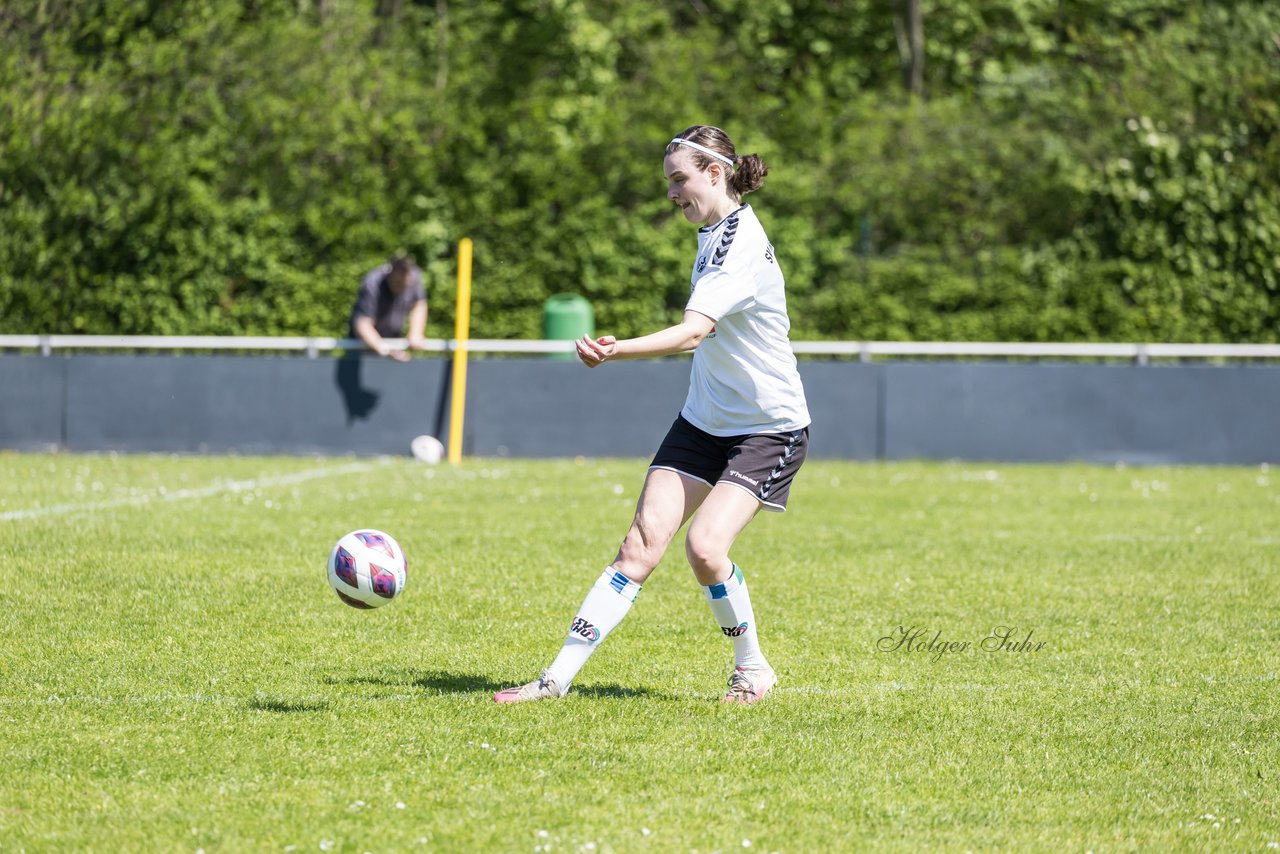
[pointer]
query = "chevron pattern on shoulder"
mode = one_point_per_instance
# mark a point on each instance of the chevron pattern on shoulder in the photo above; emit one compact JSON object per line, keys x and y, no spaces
{"x":726,"y":239}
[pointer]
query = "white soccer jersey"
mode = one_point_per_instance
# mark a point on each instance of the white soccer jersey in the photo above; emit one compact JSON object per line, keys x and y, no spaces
{"x":744,"y":377}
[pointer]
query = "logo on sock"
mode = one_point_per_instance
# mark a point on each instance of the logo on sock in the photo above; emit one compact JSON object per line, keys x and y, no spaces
{"x":588,"y":631}
{"x":734,"y":631}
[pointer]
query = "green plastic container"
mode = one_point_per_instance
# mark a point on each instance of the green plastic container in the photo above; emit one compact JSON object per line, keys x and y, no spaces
{"x":567,"y":317}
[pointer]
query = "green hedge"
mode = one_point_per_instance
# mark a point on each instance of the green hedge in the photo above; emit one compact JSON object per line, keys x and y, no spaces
{"x":1075,"y":171}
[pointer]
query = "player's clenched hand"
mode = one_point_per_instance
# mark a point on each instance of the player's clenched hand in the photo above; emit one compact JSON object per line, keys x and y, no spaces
{"x":596,"y":352}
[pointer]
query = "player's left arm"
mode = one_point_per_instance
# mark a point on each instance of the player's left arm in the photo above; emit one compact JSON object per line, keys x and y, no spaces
{"x":681,"y":338}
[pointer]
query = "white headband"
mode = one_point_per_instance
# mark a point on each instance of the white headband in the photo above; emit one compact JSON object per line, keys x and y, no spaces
{"x":717,"y":155}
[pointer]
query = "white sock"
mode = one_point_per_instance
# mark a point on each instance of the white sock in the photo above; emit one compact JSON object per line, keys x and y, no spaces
{"x":606,"y":604}
{"x":731,"y":606}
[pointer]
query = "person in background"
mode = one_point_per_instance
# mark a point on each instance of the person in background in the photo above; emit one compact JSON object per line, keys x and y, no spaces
{"x":388,"y":295}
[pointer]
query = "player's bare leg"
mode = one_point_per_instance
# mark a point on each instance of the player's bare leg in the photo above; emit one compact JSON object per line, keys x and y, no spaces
{"x":666,"y":502}
{"x":724,"y":515}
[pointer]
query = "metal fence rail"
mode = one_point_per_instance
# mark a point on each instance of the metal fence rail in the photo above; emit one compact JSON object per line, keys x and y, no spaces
{"x":864,"y":350}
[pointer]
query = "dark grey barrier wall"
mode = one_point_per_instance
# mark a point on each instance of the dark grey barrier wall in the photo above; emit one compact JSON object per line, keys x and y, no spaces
{"x":32,"y":402}
{"x":250,"y":404}
{"x":844,"y":403}
{"x":539,"y":407}
{"x":1098,"y":413}
{"x":542,"y":408}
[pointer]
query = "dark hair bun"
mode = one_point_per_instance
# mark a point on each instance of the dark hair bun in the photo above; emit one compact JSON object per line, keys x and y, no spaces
{"x":748,"y":174}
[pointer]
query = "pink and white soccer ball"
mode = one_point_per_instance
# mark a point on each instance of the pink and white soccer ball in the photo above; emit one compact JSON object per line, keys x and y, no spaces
{"x":367,"y":568}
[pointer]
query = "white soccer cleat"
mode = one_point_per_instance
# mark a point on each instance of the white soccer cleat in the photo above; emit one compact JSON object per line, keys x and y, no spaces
{"x":545,"y":687}
{"x":749,"y":685}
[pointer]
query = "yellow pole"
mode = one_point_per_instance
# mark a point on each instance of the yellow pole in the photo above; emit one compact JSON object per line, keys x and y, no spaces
{"x":461,"y":333}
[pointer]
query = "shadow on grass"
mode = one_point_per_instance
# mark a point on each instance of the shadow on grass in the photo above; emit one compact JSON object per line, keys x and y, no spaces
{"x":620,"y":692}
{"x":443,"y":682}
{"x":446,"y":682}
{"x":380,"y":681}
{"x":463,"y":683}
{"x":433,"y":680}
{"x":280,"y":704}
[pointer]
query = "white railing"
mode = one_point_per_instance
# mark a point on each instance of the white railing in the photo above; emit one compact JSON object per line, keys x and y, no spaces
{"x":46,"y":344}
{"x":1140,"y":353}
{"x":864,"y":350}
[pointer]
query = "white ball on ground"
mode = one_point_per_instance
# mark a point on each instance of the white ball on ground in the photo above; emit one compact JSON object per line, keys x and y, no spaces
{"x":427,"y":449}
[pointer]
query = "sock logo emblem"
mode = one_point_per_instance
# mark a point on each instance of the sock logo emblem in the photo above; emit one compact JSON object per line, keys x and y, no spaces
{"x":585,"y":629}
{"x":734,"y":631}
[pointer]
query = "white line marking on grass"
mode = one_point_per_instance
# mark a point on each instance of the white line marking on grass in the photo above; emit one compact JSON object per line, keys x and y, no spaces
{"x":189,"y":494}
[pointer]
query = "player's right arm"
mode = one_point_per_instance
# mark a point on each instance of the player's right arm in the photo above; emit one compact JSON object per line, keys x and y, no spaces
{"x":681,"y":338}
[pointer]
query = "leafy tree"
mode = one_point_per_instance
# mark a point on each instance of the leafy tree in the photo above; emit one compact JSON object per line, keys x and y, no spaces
{"x":1071,"y":170}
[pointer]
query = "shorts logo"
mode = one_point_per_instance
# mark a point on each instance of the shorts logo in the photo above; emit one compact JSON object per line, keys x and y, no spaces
{"x":741,"y":476}
{"x":585,"y":629}
{"x":734,"y":631}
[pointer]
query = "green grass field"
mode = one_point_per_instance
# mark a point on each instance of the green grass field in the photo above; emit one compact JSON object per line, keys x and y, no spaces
{"x":175,"y":673}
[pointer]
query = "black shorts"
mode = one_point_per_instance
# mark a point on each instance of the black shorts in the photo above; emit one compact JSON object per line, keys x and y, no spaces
{"x":763,"y":464}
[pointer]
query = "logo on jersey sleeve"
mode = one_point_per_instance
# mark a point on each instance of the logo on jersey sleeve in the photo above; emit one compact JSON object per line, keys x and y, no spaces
{"x":702,"y":264}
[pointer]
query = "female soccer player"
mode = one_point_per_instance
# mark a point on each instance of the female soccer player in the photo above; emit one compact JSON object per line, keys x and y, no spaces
{"x":743,"y":431}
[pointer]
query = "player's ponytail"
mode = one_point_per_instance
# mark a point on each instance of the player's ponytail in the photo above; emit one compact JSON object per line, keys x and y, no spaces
{"x":710,"y":144}
{"x":748,"y":174}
